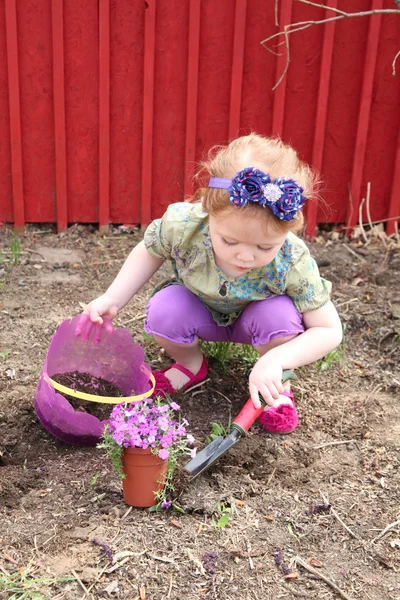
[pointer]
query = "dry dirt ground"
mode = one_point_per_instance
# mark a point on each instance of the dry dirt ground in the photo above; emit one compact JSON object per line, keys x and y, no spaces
{"x":56,"y":499}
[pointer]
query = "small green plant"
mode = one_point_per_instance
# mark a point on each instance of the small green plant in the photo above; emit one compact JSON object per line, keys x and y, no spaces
{"x":94,"y":479}
{"x":223,"y":515}
{"x":332,"y":357}
{"x":218,"y":429}
{"x":23,"y":585}
{"x":16,"y":250}
{"x":4,"y":355}
{"x":297,"y":535}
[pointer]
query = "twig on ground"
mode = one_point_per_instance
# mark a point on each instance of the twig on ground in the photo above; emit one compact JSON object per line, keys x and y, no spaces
{"x":353,"y":252}
{"x":196,"y":386}
{"x":347,"y":302}
{"x":338,"y":443}
{"x":360,"y":222}
{"x":134,"y":319}
{"x":384,"y":531}
{"x":170,"y":587}
{"x":195,"y":560}
{"x":221,"y":394}
{"x":337,"y":517}
{"x":270,"y":477}
{"x":87,"y":593}
{"x":126,"y":513}
{"x":316,"y":573}
{"x":95,"y":581}
{"x":35,"y":252}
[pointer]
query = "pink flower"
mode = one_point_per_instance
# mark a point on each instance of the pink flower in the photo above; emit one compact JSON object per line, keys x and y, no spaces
{"x":163,"y":453}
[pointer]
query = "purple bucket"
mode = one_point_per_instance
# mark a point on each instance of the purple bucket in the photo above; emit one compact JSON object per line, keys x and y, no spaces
{"x":114,"y":358}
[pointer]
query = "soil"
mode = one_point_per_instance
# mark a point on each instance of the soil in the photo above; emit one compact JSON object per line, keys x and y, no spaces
{"x":89,"y":384}
{"x":64,"y":527}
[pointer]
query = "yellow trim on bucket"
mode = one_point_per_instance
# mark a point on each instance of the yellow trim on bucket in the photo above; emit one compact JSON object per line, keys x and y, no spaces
{"x":101,"y":399}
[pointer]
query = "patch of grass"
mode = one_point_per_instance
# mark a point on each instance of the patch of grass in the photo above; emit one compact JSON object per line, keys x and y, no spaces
{"x":226,"y":353}
{"x":23,"y":585}
{"x":16,"y":250}
{"x":151,"y":348}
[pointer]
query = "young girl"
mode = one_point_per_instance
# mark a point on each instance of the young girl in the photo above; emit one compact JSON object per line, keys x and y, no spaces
{"x":240,"y":275}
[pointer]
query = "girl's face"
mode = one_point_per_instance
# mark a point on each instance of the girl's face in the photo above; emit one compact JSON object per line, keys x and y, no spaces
{"x":243,"y":242}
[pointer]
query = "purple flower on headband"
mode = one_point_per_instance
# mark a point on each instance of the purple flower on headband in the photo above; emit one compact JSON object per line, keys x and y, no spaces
{"x":247,"y":186}
{"x":291,"y":201}
{"x":284,"y":197}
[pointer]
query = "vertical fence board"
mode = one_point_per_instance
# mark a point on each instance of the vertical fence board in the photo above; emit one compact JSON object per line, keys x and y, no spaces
{"x":278,"y":115}
{"x":148,"y":112}
{"x":237,"y":68}
{"x":192,"y":94}
{"x":15,"y":114}
{"x":394,"y":206}
{"x":59,"y":114}
{"x":322,"y":109}
{"x":364,"y":114}
{"x":104,"y":115}
{"x":6,"y":205}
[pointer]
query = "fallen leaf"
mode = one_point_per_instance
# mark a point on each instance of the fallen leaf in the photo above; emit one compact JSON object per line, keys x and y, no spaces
{"x":240,"y":503}
{"x":315,"y":563}
{"x":269,"y":517}
{"x":290,"y":576}
{"x":112,"y":588}
{"x":176,"y":524}
{"x":9,"y":558}
{"x":142,"y":591}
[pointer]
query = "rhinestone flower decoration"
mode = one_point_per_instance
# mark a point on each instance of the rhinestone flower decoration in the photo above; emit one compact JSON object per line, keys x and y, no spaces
{"x":283,"y":196}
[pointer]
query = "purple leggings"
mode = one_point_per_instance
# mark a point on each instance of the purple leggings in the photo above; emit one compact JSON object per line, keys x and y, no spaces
{"x":178,"y":315}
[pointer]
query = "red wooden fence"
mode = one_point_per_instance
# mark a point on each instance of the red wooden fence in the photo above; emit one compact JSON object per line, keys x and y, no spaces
{"x":106,"y":105}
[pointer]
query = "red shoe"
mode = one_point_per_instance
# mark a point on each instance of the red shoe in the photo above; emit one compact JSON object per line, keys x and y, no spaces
{"x":282,"y":418}
{"x":164,"y":386}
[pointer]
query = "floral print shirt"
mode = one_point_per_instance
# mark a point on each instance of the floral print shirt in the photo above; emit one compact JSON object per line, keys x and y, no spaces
{"x":182,"y":236}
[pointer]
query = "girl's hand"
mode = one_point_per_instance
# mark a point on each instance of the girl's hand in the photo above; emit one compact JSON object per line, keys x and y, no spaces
{"x":103,"y":306}
{"x":266,"y":379}
{"x":97,"y":315}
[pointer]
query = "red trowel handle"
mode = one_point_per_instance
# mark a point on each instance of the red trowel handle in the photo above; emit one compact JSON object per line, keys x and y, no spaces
{"x":247,"y":416}
{"x":249,"y":413}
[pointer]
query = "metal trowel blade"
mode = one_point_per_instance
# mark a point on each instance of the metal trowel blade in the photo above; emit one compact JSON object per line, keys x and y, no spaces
{"x":214,"y":452}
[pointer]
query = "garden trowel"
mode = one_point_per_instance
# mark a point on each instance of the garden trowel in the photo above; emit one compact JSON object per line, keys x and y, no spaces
{"x":240,"y":426}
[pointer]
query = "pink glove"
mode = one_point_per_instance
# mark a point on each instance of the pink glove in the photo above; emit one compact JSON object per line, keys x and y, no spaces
{"x":85,"y":326}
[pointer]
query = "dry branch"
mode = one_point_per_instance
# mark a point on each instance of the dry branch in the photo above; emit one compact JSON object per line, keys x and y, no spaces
{"x":316,"y":573}
{"x":338,"y":15}
{"x":338,"y":518}
{"x":384,"y":531}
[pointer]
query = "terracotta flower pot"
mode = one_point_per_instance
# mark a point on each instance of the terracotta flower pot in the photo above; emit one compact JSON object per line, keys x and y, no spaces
{"x":145,"y":475}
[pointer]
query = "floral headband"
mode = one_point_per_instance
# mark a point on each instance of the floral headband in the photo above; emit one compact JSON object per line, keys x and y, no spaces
{"x":283,"y":196}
